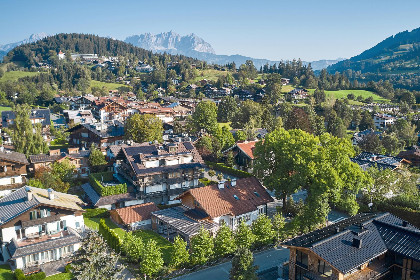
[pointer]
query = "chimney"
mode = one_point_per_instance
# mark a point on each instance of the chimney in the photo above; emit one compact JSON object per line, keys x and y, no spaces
{"x":29,"y":193}
{"x":357,"y":242}
{"x":337,"y":229}
{"x":50,"y":194}
{"x":233,"y":182}
{"x":221,"y":184}
{"x":404,"y":223}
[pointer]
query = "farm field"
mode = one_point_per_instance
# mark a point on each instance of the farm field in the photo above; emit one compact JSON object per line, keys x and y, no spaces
{"x":108,"y":86}
{"x":339,"y":94}
{"x":15,"y":75}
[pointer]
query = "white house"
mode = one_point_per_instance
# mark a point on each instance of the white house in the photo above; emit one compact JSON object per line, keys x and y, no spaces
{"x":39,"y":226}
{"x":383,"y":120}
{"x":227,"y":203}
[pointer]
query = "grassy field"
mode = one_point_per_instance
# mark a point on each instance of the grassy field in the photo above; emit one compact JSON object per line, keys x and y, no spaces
{"x":15,"y":75}
{"x":338,"y":94}
{"x":210,"y":74}
{"x":60,"y":276}
{"x":165,"y":246}
{"x":287,"y":88}
{"x":108,"y":86}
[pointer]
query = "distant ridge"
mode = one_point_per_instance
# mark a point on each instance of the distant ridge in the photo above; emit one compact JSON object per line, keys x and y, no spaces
{"x":4,"y":49}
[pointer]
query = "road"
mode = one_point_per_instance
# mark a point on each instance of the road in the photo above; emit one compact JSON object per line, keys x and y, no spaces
{"x":265,"y":260}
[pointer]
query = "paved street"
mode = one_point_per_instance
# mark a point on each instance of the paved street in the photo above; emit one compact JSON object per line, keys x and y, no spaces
{"x":265,"y":260}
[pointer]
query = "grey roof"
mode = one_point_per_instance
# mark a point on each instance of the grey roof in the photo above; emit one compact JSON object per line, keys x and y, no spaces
{"x":177,"y":219}
{"x":16,"y":251}
{"x":110,"y":131}
{"x":15,"y":204}
{"x":35,"y":114}
{"x":14,"y":157}
{"x":98,"y":200}
{"x":378,"y":235}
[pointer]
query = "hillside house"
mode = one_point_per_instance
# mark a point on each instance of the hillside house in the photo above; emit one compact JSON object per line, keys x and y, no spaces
{"x":383,"y":120}
{"x":39,"y":226}
{"x":243,"y":153}
{"x":13,"y":168}
{"x":411,"y":155}
{"x":366,"y":160}
{"x":365,"y":246}
{"x":41,"y":116}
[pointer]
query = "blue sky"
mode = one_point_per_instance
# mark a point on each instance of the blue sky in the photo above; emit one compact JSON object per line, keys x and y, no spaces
{"x":305,"y":29}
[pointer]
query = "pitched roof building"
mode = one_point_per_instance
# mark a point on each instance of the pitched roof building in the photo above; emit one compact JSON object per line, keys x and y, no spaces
{"x":365,"y":246}
{"x":134,"y":217}
{"x":13,"y":169}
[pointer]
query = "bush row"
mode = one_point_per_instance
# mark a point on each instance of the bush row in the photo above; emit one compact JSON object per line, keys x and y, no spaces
{"x":229,"y":170}
{"x":19,"y":275}
{"x":110,"y":236}
{"x":95,"y":181}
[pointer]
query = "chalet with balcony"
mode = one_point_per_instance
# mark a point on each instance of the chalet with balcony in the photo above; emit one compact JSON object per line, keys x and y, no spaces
{"x":101,"y":135}
{"x":366,"y":246}
{"x":383,"y":120}
{"x":160,"y":172}
{"x":41,"y":116}
{"x":39,"y":226}
{"x":13,"y":168}
{"x":243,"y":153}
{"x":105,"y":110}
{"x":227,"y":203}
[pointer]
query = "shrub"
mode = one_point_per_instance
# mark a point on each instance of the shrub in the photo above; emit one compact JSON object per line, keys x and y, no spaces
{"x":96,"y":213}
{"x":67,"y":268}
{"x":228,"y":170}
{"x":19,"y":275}
{"x":95,"y":181}
{"x":37,"y":276}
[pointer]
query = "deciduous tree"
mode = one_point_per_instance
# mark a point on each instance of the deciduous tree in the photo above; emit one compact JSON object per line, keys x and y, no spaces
{"x":201,"y":247}
{"x":224,"y":243}
{"x":243,"y":267}
{"x":180,"y":255}
{"x":144,"y":128}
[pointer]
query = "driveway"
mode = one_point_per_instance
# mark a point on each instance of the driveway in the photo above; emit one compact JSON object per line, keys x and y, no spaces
{"x":265,"y":260}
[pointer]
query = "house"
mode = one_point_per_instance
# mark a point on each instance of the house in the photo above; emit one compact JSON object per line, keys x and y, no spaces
{"x":12,"y":170}
{"x":285,"y":81}
{"x":383,"y":120}
{"x":359,"y":136}
{"x":227,"y":203}
{"x":108,"y":110}
{"x":411,"y":155}
{"x":41,"y":116}
{"x":78,"y":158}
{"x":366,"y":160}
{"x":160,"y":172}
{"x":111,"y":201}
{"x":134,"y":217}
{"x":101,"y":135}
{"x":298,"y":93}
{"x":144,"y":68}
{"x":243,"y":153}
{"x":78,"y":116}
{"x":38,"y":226}
{"x":61,"y":55}
{"x":365,"y":246}
{"x":82,"y":102}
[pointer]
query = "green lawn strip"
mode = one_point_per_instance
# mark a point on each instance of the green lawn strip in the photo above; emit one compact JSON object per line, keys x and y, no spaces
{"x":108,"y":86}
{"x":287,"y":88}
{"x":93,"y":223}
{"x":165,"y":246}
{"x":6,"y":273}
{"x":15,"y":75}
{"x":60,"y":276}
{"x":4,"y":108}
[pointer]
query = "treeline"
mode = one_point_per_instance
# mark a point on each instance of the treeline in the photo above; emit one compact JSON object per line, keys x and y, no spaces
{"x":43,"y":50}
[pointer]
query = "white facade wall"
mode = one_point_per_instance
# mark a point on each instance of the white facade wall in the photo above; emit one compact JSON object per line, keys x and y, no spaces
{"x":152,"y":163}
{"x":134,"y":202}
{"x":155,"y":188}
{"x":140,"y":224}
{"x":8,"y":180}
{"x":9,"y":233}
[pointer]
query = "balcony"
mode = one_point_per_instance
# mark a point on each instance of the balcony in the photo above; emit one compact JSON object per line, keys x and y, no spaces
{"x":378,"y":269}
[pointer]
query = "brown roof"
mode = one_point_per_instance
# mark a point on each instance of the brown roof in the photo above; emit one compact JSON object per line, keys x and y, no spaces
{"x":136,"y":213}
{"x":247,"y":147}
{"x":14,"y":157}
{"x":219,"y":202}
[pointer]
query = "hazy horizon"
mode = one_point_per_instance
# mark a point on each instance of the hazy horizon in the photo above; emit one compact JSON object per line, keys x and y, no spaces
{"x":275,"y":30}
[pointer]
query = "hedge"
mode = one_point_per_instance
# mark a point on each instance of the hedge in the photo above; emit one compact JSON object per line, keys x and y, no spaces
{"x":110,"y":236}
{"x":95,"y":181}
{"x":36,"y":276}
{"x":228,"y":170}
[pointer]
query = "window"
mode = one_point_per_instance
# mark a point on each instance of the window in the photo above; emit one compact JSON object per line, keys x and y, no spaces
{"x":77,"y":224}
{"x":257,"y":194}
{"x":324,"y":268}
{"x":12,"y":181}
{"x":302,"y":259}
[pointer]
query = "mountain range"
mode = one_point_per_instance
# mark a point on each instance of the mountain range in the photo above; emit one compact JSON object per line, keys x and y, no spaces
{"x":4,"y":49}
{"x":193,"y":46}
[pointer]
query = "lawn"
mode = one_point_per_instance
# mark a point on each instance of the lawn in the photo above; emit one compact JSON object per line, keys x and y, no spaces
{"x":287,"y":88}
{"x":93,"y":223}
{"x":165,"y":246}
{"x":338,"y":94}
{"x":108,"y":86}
{"x":210,"y":74}
{"x":58,"y":144}
{"x":6,"y":273}
{"x":60,"y":276}
{"x":15,"y":75}
{"x":4,"y":108}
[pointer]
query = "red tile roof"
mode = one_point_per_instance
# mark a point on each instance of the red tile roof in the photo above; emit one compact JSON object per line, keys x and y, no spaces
{"x":219,"y":202}
{"x":136,"y":213}
{"x":247,"y":147}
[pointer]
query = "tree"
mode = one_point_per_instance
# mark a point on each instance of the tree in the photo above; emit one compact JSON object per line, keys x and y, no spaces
{"x":289,"y":160}
{"x":144,"y":128}
{"x":132,"y":246}
{"x":96,"y":158}
{"x":204,"y":117}
{"x":152,"y":261}
{"x":64,"y":170}
{"x":367,"y":121}
{"x":244,"y":237}
{"x":248,"y":111}
{"x":224,"y":243}
{"x":180,"y":255}
{"x":240,"y":136}
{"x":227,"y":109}
{"x":248,"y":70}
{"x":263,"y":230}
{"x":243,"y":267}
{"x":95,"y":260}
{"x":201,"y":247}
{"x":405,"y":131}
{"x":298,"y":119}
{"x":319,"y":96}
{"x":278,"y":225}
{"x":371,"y":143}
{"x":391,"y":144}
{"x":22,"y":132}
